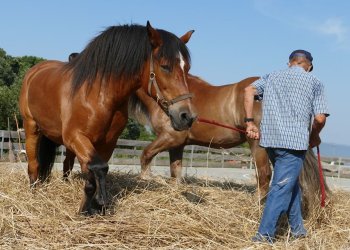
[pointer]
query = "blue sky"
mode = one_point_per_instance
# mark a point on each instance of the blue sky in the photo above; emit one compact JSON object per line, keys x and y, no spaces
{"x":232,"y":40}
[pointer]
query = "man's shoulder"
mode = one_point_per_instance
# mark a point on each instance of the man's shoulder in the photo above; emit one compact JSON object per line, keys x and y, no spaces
{"x":298,"y":72}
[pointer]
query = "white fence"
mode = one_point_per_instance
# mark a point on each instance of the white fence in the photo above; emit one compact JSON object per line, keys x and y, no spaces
{"x":128,"y":152}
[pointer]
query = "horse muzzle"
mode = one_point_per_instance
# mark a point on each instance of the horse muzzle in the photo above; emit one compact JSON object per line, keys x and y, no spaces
{"x":181,"y":118}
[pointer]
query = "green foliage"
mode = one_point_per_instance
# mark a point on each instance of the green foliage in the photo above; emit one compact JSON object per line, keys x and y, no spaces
{"x":9,"y":68}
{"x":12,"y":71}
{"x":136,"y":131}
{"x":131,"y":131}
{"x":146,"y":134}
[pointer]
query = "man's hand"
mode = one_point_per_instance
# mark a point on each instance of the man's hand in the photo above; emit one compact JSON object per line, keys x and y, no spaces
{"x":314,"y":141}
{"x":317,"y":125}
{"x":252,"y":131}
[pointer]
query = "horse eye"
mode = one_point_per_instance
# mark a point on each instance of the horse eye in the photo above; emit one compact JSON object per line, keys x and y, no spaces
{"x":165,"y":68}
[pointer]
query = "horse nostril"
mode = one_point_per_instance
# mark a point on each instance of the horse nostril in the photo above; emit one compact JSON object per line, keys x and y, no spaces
{"x":186,"y":118}
{"x":183,"y":116}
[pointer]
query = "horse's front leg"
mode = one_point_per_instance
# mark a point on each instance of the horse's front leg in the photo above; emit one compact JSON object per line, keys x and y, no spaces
{"x":94,"y":170}
{"x":176,"y":162}
{"x":163,"y":142}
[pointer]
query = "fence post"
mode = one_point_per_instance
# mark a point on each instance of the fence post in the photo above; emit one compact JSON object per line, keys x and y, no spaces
{"x":61,"y":148}
{"x":155,"y":161}
{"x":222,"y":159}
{"x":339,"y":167}
{"x":135,"y":157}
{"x":2,"y":143}
{"x":191,"y":159}
{"x":113,"y":156}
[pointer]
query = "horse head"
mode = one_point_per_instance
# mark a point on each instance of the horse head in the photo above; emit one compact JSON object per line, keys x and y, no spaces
{"x":166,"y":82}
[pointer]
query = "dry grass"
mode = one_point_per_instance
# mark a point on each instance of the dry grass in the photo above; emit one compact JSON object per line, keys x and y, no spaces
{"x":151,"y":215}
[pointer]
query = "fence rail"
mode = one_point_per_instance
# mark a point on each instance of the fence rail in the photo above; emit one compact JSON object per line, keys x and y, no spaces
{"x":128,"y":152}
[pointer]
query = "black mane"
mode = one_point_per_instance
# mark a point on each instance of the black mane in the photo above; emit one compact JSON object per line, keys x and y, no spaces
{"x":121,"y":51}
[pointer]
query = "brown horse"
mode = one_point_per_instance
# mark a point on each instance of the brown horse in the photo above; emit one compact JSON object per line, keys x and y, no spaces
{"x":83,"y":104}
{"x":225,"y":105}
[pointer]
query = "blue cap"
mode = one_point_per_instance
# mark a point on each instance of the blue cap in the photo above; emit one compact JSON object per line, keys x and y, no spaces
{"x":302,"y":53}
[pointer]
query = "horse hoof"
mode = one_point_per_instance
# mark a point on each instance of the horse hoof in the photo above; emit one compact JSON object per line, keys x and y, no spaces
{"x":175,"y":181}
{"x":100,"y":210}
{"x":65,"y":178}
{"x":145,"y":177}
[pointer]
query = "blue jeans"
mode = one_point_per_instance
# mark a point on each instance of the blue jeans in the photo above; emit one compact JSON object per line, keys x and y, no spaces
{"x":284,"y":195}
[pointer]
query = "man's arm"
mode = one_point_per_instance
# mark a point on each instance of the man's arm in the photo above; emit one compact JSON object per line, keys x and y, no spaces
{"x":249,"y":93}
{"x":317,"y":125}
{"x":252,"y":129}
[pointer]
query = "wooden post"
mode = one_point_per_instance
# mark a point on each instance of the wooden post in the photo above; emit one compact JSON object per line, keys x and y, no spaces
{"x":11,"y":154}
{"x":155,"y":161}
{"x":134,"y":156}
{"x":191,"y":159}
{"x":2,"y":144}
{"x":61,"y":148}
{"x":19,"y":134}
{"x":339,"y":167}
{"x":113,"y":156}
{"x":222,"y":159}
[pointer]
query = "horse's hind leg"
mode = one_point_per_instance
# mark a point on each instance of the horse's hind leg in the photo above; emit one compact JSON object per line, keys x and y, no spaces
{"x":176,"y":162}
{"x":32,"y":140}
{"x":68,"y":163}
{"x":263,"y":167}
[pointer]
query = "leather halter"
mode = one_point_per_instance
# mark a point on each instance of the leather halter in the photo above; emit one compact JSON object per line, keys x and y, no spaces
{"x":161,"y":100}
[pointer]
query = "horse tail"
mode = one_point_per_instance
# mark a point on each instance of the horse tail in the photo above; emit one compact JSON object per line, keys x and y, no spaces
{"x":310,"y":184}
{"x":46,"y":153}
{"x":138,"y":111}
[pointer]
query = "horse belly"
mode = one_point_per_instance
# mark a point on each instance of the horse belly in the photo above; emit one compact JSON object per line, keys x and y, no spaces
{"x":205,"y":135}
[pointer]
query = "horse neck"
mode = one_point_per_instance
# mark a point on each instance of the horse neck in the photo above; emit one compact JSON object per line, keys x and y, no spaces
{"x":111,"y":93}
{"x":227,"y":98}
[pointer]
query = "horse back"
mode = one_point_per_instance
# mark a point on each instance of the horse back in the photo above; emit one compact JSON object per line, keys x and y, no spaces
{"x":223,"y":104}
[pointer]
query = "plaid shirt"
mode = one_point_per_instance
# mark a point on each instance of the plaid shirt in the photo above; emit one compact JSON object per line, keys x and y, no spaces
{"x":290,"y":98}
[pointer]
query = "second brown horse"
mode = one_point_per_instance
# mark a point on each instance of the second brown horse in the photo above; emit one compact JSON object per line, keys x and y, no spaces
{"x":223,"y":104}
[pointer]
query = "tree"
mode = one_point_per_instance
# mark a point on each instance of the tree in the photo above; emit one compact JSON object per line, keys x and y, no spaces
{"x":131,"y":131}
{"x":12,"y":71}
{"x":9,"y":68}
{"x":136,"y":131}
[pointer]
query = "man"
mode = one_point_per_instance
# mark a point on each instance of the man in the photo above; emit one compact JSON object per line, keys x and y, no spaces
{"x":291,"y":97}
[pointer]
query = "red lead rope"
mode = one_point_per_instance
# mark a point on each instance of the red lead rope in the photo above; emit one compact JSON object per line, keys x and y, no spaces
{"x":323,"y":191}
{"x":220,"y":125}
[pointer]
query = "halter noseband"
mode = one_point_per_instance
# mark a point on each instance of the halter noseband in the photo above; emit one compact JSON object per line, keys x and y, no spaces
{"x":163,"y":102}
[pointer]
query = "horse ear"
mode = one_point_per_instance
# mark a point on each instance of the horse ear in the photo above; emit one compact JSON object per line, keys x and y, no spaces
{"x":154,"y":36}
{"x":185,"y":38}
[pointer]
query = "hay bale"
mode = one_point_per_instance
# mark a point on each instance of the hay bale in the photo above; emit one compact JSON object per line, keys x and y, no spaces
{"x":148,"y":215}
